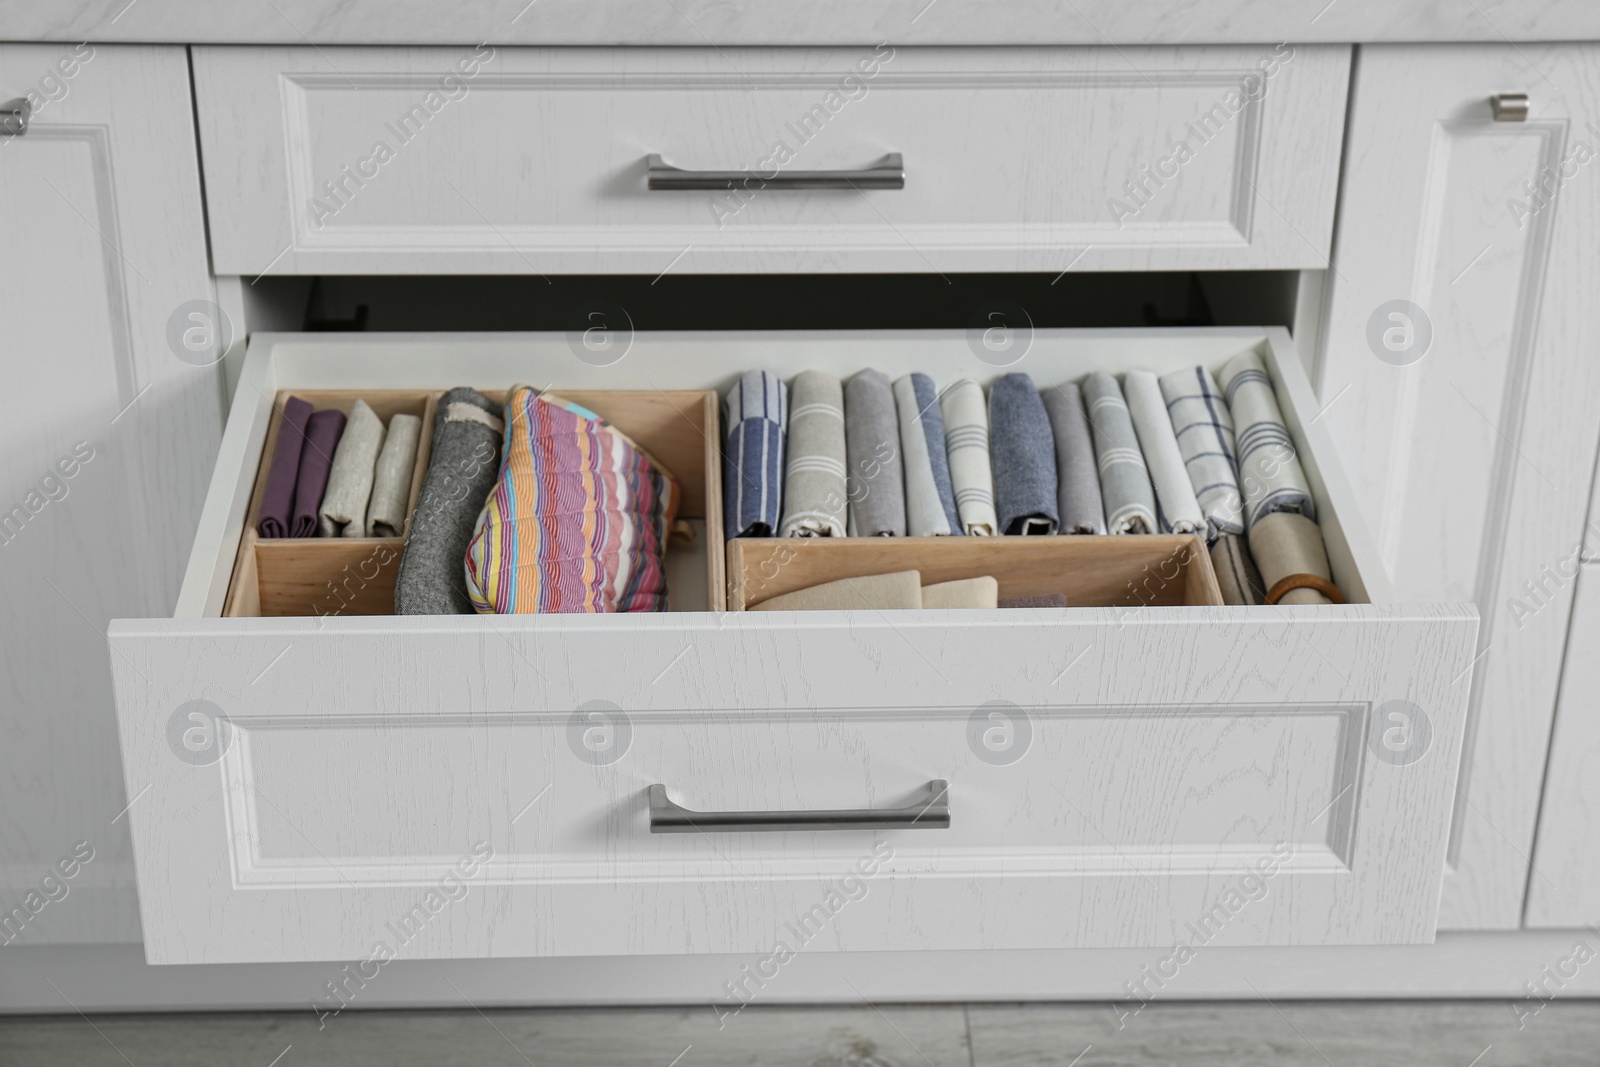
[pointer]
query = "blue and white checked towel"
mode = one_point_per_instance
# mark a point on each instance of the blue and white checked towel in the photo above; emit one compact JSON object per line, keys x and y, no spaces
{"x":754,"y":417}
{"x":1204,"y":428}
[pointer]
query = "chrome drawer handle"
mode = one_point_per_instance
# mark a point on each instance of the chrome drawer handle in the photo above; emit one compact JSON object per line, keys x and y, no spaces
{"x":932,"y":813}
{"x":1509,"y":107}
{"x":14,"y":117}
{"x":888,"y":173}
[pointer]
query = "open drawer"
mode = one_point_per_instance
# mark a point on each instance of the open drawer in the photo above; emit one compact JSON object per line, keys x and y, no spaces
{"x":345,"y":788}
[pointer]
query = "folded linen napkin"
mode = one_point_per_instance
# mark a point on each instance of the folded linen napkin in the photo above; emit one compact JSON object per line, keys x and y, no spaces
{"x":275,"y":516}
{"x":344,"y":504}
{"x":1023,"y":454}
{"x":1177,"y":510}
{"x":1204,"y":429}
{"x":391,"y":483}
{"x":980,"y":592}
{"x":1130,"y":501}
{"x":323,"y":431}
{"x":754,"y":417}
{"x":966,"y":435}
{"x":1288,"y":548}
{"x":1237,"y":576}
{"x":1077,"y":479}
{"x":815,"y":503}
{"x":877,"y":592}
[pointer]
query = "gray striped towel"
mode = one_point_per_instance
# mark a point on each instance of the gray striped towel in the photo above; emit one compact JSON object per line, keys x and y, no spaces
{"x":930,"y":501}
{"x":1177,"y":510}
{"x":966,"y":437}
{"x":1269,"y":468}
{"x":754,"y":414}
{"x":1078,"y":482}
{"x":1204,"y":429}
{"x":814,"y":500}
{"x":1124,"y":481}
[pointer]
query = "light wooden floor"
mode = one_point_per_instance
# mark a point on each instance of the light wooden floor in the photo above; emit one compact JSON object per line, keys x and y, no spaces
{"x":1406,"y":1034}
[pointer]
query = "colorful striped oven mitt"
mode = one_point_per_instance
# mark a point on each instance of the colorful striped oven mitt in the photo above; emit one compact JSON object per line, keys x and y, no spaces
{"x":577,"y":521}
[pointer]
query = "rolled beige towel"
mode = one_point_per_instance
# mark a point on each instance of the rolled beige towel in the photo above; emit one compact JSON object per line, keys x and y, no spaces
{"x":344,"y":502}
{"x":391,"y":484}
{"x":880,"y":592}
{"x":1293,"y":561}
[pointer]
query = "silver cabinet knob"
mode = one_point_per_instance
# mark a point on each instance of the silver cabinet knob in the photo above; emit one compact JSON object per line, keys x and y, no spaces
{"x":14,"y":117}
{"x":1509,"y":107}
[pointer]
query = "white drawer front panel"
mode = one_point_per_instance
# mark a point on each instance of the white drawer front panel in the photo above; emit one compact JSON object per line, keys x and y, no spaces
{"x":1113,"y":775}
{"x":522,"y":161}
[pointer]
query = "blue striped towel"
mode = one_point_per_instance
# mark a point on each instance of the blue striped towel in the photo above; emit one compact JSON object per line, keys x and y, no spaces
{"x":1270,"y":475}
{"x":1204,"y":428}
{"x":755,"y":414}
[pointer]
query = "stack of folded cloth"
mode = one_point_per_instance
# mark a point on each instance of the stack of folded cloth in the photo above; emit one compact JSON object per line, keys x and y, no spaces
{"x":900,"y":590}
{"x":338,"y":476}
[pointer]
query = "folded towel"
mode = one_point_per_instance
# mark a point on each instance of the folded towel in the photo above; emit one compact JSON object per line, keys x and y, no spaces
{"x":1077,"y":480}
{"x":815,"y":503}
{"x":930,"y":502}
{"x":966,"y":435}
{"x":1177,"y":510}
{"x":1038,"y":600}
{"x":1269,"y":470}
{"x":1130,"y":501}
{"x":391,"y":484}
{"x":1023,"y":454}
{"x":344,"y":504}
{"x":983,"y":592}
{"x":1289,"y":550}
{"x":1237,"y":576}
{"x":754,"y":414}
{"x":323,"y":431}
{"x":872,"y":445}
{"x":462,"y":464}
{"x":275,"y":515}
{"x":578,"y":518}
{"x":877,"y":592}
{"x":1204,"y":429}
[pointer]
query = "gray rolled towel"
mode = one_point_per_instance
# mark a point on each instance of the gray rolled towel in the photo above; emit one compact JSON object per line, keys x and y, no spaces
{"x":814,"y":500}
{"x":872,"y":449}
{"x":355,"y":462}
{"x":966,"y":435}
{"x":391,"y":485}
{"x":1130,"y":501}
{"x":930,"y":502}
{"x":1022,"y":451}
{"x":1077,"y":479}
{"x":463,"y":465}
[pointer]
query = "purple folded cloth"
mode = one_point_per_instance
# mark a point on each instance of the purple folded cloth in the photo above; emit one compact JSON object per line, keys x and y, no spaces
{"x":322,"y":437}
{"x":277,"y":499}
{"x":1038,"y":600}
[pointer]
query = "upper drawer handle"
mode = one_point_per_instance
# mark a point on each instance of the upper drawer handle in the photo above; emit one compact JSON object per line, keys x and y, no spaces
{"x":932,"y":813}
{"x":14,"y":117}
{"x":888,"y":173}
{"x":1509,"y":107}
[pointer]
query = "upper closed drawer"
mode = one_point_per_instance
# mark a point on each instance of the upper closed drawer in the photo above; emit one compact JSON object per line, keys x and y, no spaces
{"x":423,"y":160}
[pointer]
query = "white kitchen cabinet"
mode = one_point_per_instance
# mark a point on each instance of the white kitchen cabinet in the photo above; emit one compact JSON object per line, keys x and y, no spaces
{"x":108,"y":439}
{"x":1459,"y":379}
{"x":525,"y":161}
{"x":347,"y":768}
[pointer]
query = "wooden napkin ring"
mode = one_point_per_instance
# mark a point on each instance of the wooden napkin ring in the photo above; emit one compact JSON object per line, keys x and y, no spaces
{"x":1291,"y":582}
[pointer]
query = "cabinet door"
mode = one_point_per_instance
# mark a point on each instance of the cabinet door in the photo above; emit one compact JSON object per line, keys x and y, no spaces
{"x":108,"y":438}
{"x":1459,"y":379}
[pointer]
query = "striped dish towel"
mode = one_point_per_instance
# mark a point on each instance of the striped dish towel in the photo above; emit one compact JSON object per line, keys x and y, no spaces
{"x":966,"y":438}
{"x":1204,"y":429}
{"x":578,"y":518}
{"x":1177,"y":510}
{"x":1269,"y":468}
{"x":755,"y":414}
{"x":1130,"y":501}
{"x":814,"y":491}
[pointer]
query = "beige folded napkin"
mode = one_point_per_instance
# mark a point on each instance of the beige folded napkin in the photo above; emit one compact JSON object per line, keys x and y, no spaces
{"x":881,"y":592}
{"x":344,"y":502}
{"x":981,"y":592}
{"x":391,"y":485}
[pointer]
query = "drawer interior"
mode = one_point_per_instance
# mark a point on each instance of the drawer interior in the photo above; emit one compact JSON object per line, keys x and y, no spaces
{"x":664,"y":392}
